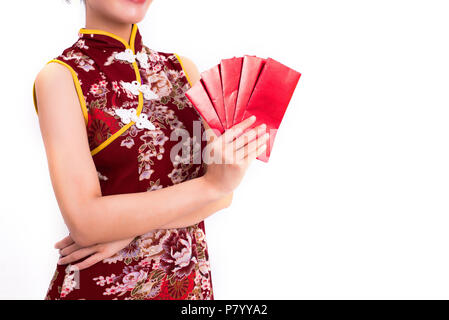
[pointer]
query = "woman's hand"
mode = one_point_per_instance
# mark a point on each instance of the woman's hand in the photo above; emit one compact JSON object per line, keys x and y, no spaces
{"x":229,"y":155}
{"x":70,"y":251}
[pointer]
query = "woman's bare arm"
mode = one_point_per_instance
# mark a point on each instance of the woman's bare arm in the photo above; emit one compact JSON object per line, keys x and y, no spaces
{"x":91,"y":217}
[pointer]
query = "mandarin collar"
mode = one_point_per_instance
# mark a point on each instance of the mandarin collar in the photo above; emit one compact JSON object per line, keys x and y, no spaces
{"x":107,"y":40}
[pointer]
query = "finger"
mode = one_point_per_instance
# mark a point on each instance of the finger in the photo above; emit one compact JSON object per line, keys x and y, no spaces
{"x":252,"y":146}
{"x":242,"y":152}
{"x":79,"y":254}
{"x":93,"y":259}
{"x":233,"y":132}
{"x":69,"y":249}
{"x":64,"y":242}
{"x":254,"y":154}
{"x":249,"y":136}
{"x":210,"y":135}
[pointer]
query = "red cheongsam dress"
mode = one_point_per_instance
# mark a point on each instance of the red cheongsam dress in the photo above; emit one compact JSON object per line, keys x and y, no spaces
{"x":144,"y":135}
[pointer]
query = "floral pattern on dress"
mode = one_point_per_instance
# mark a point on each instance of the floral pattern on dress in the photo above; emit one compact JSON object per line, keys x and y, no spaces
{"x":82,"y":61}
{"x":173,"y":258}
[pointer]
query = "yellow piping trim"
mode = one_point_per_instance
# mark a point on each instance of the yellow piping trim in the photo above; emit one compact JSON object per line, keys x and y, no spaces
{"x":79,"y":91}
{"x":132,"y":39}
{"x":182,"y":66}
{"x":34,"y":97}
{"x":139,"y":108}
{"x":110,"y":139}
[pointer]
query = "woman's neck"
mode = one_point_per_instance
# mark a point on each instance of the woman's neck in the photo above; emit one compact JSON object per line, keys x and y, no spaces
{"x":94,"y":21}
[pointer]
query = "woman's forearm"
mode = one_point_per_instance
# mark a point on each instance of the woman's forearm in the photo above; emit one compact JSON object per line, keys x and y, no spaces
{"x":114,"y":217}
{"x":200,"y":214}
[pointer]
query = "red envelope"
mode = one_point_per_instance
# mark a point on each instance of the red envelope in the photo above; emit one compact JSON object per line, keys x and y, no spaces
{"x":251,"y":69}
{"x":212,"y":83}
{"x":270,"y":98}
{"x":200,"y":99}
{"x":230,"y":78}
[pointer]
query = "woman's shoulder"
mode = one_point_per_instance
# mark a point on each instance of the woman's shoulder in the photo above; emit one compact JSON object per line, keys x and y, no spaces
{"x":59,"y":67}
{"x":189,"y":68}
{"x":52,"y":79}
{"x":177,"y":61}
{"x":58,"y":76}
{"x":52,"y":72}
{"x":175,"y":58}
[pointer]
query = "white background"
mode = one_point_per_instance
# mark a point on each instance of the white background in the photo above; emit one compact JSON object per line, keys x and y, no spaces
{"x":354,"y":200}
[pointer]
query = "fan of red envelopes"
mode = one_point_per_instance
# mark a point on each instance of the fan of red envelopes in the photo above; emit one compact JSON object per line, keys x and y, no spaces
{"x":240,"y":87}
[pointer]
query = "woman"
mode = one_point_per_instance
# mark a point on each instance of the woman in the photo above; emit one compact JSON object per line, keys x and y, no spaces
{"x":132,"y":193}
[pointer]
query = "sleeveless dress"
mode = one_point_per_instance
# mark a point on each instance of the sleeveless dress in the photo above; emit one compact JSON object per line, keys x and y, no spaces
{"x":137,"y":116}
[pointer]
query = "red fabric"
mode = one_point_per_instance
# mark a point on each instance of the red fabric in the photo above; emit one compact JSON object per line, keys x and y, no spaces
{"x":211,"y":80}
{"x":138,"y":161}
{"x":230,"y":77}
{"x":270,"y":98}
{"x":250,"y":86}
{"x":251,"y":69}
{"x":199,"y":97}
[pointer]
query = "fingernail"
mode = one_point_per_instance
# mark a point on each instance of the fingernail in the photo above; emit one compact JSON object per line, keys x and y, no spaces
{"x":59,"y":261}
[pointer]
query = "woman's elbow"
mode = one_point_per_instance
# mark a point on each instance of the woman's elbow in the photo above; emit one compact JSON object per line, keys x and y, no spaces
{"x":81,"y":230}
{"x":81,"y":236}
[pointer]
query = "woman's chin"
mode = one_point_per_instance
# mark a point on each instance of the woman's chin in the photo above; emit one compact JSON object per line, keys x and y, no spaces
{"x":130,"y":17}
{"x":123,"y":11}
{"x":141,"y":2}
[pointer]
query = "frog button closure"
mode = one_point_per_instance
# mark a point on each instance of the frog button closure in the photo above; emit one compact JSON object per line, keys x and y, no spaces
{"x":135,"y":87}
{"x":128,"y":115}
{"x":130,"y":57}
